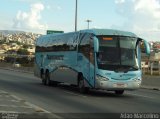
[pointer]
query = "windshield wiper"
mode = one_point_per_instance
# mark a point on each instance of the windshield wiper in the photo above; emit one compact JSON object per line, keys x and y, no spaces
{"x":126,"y":68}
{"x":133,"y":67}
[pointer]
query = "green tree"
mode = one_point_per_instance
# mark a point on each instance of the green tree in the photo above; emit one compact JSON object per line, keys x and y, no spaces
{"x":26,"y":46}
{"x":23,"y":52}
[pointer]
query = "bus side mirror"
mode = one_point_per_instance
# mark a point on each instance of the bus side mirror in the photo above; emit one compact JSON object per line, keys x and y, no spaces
{"x":146,"y":46}
{"x":96,"y":45}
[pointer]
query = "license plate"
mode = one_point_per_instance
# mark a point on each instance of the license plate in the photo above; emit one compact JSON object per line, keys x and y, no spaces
{"x":120,"y":85}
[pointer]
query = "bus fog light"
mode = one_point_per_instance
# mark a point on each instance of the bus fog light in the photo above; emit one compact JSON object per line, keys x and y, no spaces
{"x":100,"y":78}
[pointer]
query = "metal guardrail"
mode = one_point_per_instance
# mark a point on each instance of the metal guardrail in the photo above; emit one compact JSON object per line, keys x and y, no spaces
{"x":150,"y":71}
{"x":151,"y":67}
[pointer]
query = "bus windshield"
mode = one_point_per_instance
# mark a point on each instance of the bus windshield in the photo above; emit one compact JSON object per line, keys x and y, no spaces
{"x":117,"y":53}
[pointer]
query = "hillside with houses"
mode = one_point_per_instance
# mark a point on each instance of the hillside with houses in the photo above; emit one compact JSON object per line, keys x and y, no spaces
{"x":16,"y":41}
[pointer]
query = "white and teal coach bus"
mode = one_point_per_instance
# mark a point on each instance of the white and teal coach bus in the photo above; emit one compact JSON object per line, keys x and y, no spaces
{"x":91,"y":59}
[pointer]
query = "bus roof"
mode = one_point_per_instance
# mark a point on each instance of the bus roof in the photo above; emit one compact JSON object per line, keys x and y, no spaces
{"x":45,"y":39}
{"x":98,"y":32}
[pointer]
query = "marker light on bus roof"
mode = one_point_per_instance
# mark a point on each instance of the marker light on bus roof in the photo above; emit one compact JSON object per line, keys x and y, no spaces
{"x":107,"y":38}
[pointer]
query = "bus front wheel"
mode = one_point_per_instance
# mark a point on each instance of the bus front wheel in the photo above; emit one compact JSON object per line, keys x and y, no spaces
{"x":81,"y":86}
{"x":43,"y":79}
{"x":119,"y":92}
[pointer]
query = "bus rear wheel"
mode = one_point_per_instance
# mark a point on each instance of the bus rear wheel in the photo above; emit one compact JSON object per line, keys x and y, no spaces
{"x":81,"y":86}
{"x":119,"y":92}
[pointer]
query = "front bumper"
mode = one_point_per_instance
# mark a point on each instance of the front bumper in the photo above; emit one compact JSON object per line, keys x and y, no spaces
{"x":118,"y":85}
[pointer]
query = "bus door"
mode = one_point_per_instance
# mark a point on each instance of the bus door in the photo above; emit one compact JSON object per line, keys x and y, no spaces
{"x":42,"y":60}
{"x":86,"y":48}
{"x":92,"y":64}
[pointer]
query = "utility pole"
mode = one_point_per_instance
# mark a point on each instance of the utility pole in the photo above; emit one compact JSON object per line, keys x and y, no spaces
{"x":88,"y":21}
{"x":76,"y":16}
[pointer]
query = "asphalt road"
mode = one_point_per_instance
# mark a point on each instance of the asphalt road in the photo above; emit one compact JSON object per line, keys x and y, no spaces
{"x":66,"y":100}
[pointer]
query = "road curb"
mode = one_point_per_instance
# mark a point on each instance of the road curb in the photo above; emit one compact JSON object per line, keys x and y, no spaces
{"x":23,"y":71}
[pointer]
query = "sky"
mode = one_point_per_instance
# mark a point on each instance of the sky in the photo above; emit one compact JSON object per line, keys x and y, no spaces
{"x":141,"y":17}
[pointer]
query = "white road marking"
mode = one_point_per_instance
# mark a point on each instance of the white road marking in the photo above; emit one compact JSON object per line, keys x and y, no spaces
{"x":28,"y":105}
{"x":38,"y":109}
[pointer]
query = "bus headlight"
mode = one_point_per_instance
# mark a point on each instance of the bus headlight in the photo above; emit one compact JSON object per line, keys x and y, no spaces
{"x":137,"y":79}
{"x":101,"y":78}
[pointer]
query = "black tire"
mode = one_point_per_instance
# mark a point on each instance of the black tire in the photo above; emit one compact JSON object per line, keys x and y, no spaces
{"x":81,"y":86}
{"x":54,"y":83}
{"x":119,"y":92}
{"x":43,"y":79}
{"x":47,"y":79}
